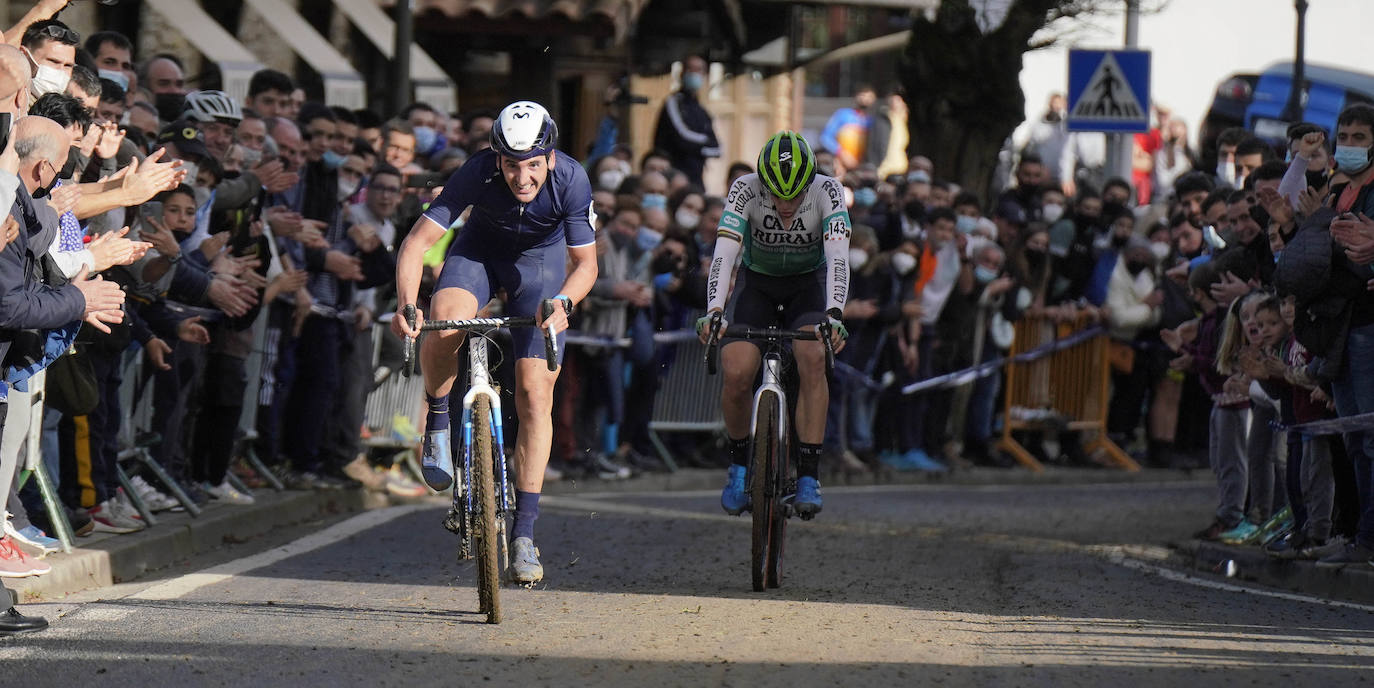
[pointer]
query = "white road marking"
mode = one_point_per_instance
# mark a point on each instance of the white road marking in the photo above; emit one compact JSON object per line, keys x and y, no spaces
{"x":179,"y":587}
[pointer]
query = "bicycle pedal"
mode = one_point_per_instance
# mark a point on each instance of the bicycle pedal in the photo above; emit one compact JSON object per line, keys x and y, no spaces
{"x":453,"y":522}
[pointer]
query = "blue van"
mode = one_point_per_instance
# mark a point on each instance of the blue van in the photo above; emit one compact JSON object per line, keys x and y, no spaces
{"x":1255,"y":102}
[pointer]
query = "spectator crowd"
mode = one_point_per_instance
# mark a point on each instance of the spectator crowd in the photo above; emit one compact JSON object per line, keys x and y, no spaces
{"x":153,"y":224}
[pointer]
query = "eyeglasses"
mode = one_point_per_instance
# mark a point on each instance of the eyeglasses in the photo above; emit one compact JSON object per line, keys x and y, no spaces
{"x":403,"y":149}
{"x":61,"y":33}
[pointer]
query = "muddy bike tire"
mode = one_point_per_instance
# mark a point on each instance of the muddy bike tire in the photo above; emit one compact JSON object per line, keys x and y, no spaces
{"x":762,"y":487}
{"x":487,"y":534}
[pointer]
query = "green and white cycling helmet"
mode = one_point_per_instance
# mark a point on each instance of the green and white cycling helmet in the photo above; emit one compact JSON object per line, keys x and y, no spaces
{"x":786,"y":165}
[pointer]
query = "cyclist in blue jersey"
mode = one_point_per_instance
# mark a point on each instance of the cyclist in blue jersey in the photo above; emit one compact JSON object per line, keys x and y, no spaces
{"x":530,"y":233}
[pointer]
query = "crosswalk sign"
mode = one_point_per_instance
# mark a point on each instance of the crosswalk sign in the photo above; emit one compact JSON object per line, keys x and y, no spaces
{"x":1109,"y":90}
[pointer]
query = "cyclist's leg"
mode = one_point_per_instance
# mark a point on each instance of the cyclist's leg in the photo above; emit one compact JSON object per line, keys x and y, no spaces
{"x":804,"y":312}
{"x":535,"y":276}
{"x":750,"y":303}
{"x":463,"y":287}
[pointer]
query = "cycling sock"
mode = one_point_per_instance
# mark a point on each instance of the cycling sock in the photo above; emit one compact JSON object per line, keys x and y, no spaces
{"x":739,"y":451}
{"x":437,"y":418}
{"x":526,"y":512}
{"x":808,"y":460}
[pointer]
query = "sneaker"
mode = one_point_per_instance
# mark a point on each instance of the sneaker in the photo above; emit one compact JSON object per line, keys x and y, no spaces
{"x":320,"y":481}
{"x":895,"y":461}
{"x":34,"y":537}
{"x":360,"y":470}
{"x":107,"y":520}
{"x":1287,"y":547}
{"x":1320,"y":549}
{"x":524,"y":561}
{"x":81,"y":522}
{"x":437,"y":466}
{"x":851,"y":463}
{"x":1211,"y":532}
{"x":153,"y":498}
{"x":1283,"y":520}
{"x":1352,"y":553}
{"x":403,"y":431}
{"x":247,"y":474}
{"x":15,"y":564}
{"x":224,"y":492}
{"x":605,"y":469}
{"x":921,"y":461}
{"x":734,"y":499}
{"x":125,"y":507}
{"x":399,"y":483}
{"x":1244,"y":533}
{"x":807,"y":501}
{"x":293,"y":479}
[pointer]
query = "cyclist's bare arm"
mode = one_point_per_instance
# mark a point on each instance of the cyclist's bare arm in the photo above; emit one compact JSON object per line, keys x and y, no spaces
{"x":409,"y":269}
{"x":581,"y":277}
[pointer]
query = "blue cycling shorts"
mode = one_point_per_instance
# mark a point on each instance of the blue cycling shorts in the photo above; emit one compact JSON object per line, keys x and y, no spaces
{"x":484,"y":265}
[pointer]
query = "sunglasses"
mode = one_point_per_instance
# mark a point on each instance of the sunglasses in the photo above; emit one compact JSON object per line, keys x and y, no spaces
{"x":61,"y":33}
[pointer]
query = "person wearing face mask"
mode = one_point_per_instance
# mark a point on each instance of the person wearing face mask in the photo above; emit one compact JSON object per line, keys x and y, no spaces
{"x":424,"y":121}
{"x":609,"y":171}
{"x":1031,"y":176}
{"x":685,"y":130}
{"x":164,"y":75}
{"x":51,"y":48}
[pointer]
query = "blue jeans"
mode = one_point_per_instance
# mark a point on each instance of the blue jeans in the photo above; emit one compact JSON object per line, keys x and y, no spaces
{"x":1354,"y":395}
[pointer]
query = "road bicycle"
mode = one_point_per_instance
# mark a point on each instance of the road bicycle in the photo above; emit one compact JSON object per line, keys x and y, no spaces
{"x":482,"y":496}
{"x":770,"y":480}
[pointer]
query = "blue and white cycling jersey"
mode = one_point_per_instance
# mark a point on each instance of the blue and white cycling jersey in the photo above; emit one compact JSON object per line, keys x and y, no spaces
{"x":521,"y":248}
{"x":561,"y":213}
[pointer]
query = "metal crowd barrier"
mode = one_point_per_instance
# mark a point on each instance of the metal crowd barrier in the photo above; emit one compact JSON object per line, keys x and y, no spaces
{"x":1067,"y":390}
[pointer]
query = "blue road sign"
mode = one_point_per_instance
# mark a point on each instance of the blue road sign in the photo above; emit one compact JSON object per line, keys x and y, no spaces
{"x":1109,"y":90}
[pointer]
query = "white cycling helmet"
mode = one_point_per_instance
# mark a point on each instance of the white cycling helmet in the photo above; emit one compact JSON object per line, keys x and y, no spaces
{"x":212,"y":106}
{"x":523,"y":130}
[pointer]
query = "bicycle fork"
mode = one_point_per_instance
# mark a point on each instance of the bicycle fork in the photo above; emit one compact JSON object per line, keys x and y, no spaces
{"x":772,"y":382}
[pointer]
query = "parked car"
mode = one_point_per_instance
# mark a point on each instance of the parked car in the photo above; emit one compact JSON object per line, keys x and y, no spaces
{"x":1255,"y":102}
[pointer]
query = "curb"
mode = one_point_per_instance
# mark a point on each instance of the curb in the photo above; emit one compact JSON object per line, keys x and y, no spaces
{"x":1352,"y":583}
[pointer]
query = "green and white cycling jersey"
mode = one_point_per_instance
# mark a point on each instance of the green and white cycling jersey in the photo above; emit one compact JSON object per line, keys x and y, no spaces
{"x":817,"y":237}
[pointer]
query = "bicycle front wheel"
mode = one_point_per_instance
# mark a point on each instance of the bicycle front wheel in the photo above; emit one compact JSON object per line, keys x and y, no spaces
{"x":762,"y":486}
{"x":487,"y":535}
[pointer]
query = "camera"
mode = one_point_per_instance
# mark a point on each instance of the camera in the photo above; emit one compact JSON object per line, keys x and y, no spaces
{"x":619,"y":93}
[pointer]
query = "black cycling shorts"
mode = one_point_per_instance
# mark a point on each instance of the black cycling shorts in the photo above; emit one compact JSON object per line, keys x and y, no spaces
{"x":791,"y":302}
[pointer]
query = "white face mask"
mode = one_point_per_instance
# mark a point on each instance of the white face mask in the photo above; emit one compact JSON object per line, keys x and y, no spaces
{"x":346,"y":188}
{"x":1051,"y":212}
{"x":48,"y":80}
{"x":903,"y":263}
{"x":1160,"y":249}
{"x":610,"y":179}
{"x":686,"y":219}
{"x":116,"y":76}
{"x":857,"y":258}
{"x":251,"y":158}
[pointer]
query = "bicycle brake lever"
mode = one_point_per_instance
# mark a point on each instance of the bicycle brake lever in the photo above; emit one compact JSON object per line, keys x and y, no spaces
{"x":408,"y":351}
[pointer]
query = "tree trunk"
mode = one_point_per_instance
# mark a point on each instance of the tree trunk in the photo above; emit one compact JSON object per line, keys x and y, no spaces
{"x":964,"y":88}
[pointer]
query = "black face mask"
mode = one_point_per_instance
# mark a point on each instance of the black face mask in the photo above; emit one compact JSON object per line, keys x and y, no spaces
{"x":1112,"y":208}
{"x":1135,"y":268}
{"x":915,"y":210}
{"x":169,"y":106}
{"x":44,"y":191}
{"x":1318,"y":180}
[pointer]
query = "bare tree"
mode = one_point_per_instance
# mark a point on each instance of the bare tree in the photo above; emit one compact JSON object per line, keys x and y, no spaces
{"x":963,"y":84}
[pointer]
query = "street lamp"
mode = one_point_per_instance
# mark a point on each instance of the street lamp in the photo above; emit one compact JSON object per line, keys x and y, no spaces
{"x":1292,"y":110}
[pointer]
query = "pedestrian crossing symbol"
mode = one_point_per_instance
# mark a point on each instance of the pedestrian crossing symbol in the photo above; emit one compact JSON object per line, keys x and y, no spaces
{"x":1109,"y":90}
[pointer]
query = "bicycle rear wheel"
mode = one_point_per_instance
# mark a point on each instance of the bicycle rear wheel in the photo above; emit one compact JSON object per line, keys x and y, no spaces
{"x":487,"y":535}
{"x":762,"y":487}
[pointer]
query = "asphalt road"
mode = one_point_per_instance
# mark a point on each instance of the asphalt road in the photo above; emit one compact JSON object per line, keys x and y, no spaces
{"x":910,"y":585}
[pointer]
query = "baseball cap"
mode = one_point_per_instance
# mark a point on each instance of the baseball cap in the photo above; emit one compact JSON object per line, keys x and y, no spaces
{"x":189,"y":141}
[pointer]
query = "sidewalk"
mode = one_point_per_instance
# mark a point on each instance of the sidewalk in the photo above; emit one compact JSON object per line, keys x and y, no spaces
{"x":105,"y":559}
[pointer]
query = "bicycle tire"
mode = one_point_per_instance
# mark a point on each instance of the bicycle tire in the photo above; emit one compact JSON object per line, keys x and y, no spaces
{"x":484,"y":484}
{"x":778,"y":533}
{"x":762,"y":486}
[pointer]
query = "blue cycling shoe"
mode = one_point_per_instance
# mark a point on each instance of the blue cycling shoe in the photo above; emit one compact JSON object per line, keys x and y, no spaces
{"x":734,"y":499}
{"x":437,"y":466}
{"x":807,"y":501}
